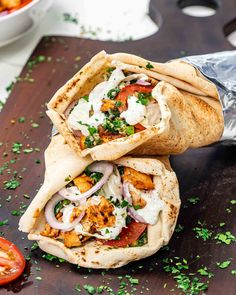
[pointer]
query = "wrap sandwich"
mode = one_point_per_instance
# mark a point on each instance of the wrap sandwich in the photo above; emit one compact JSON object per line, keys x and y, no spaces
{"x":102,"y":214}
{"x":121,"y":103}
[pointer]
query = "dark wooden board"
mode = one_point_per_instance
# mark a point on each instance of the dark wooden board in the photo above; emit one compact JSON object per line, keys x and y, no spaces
{"x":208,"y":173}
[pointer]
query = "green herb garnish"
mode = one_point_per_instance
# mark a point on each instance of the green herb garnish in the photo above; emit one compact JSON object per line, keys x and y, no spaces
{"x":149,"y":66}
{"x":113,"y":92}
{"x":144,"y":98}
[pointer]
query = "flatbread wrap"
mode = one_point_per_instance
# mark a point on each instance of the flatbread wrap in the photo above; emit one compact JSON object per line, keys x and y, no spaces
{"x":102,"y":214}
{"x":121,"y":103}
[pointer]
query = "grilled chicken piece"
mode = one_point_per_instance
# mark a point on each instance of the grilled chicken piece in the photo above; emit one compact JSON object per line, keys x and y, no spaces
{"x":72,"y":239}
{"x":83,"y":182}
{"x":99,"y":216}
{"x":138,"y":202}
{"x":138,"y":179}
{"x":10,"y":3}
{"x":107,"y":104}
{"x":50,"y":232}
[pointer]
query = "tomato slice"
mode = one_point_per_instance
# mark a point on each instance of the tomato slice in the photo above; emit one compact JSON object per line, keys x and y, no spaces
{"x":130,"y":90}
{"x":12,"y":262}
{"x":128,"y":235}
{"x":139,"y":127}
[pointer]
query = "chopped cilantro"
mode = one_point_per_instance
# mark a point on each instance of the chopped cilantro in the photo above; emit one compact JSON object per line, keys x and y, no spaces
{"x":233,"y":271}
{"x":15,"y":213}
{"x":149,"y":66}
{"x":225,"y":238}
{"x":137,"y":207}
{"x":113,"y":92}
{"x":233,"y":202}
{"x":223,"y":264}
{"x":89,"y":143}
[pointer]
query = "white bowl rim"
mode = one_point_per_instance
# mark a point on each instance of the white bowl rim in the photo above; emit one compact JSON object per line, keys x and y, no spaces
{"x":19,"y":11}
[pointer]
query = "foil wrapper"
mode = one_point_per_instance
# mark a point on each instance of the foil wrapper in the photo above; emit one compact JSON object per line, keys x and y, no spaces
{"x":220,"y":68}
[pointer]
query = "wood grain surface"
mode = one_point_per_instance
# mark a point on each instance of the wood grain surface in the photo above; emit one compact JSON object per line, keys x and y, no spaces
{"x":208,"y":173}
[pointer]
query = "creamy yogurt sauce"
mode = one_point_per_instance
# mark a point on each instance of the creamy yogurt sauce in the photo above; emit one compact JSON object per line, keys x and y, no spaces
{"x":135,"y":113}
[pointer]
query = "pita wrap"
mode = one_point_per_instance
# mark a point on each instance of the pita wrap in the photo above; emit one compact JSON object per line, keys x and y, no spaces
{"x":93,"y":253}
{"x":187,"y":112}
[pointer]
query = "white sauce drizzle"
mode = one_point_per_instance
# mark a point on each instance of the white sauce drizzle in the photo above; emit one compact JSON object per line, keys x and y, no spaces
{"x":135,"y":113}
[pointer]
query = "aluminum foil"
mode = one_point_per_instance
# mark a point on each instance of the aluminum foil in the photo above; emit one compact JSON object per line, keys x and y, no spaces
{"x":220,"y":68}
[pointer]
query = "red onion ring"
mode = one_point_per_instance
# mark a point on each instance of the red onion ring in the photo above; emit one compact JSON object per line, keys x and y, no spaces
{"x":103,"y":167}
{"x":143,"y":82}
{"x":132,"y":212}
{"x":51,"y":219}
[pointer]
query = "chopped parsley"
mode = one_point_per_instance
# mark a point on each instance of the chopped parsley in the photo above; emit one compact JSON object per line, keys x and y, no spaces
{"x":149,"y":66}
{"x":16,"y":147}
{"x":21,"y":120}
{"x":226,"y":238}
{"x":144,"y":98}
{"x":4,"y":222}
{"x":205,"y":272}
{"x":124,"y":204}
{"x":223,"y":264}
{"x":113,"y":92}
{"x":179,"y":228}
{"x":193,"y":200}
{"x":68,"y":178}
{"x":51,"y":257}
{"x":90,"y":289}
{"x":11,"y":184}
{"x":85,"y":97}
{"x":202,"y":232}
{"x":69,"y":18}
{"x":233,"y":202}
{"x":60,"y":205}
{"x":142,"y":240}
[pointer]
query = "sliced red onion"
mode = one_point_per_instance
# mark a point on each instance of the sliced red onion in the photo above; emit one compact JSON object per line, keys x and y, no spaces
{"x":74,"y":195}
{"x":132,"y":212}
{"x":143,"y":82}
{"x":51,"y":219}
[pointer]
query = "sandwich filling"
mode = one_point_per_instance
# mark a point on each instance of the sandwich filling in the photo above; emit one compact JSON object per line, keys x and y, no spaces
{"x":107,"y":203}
{"x":120,"y":106}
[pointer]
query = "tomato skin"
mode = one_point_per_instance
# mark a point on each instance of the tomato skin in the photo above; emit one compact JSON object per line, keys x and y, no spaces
{"x":129,"y":90}
{"x":16,"y":265}
{"x":128,"y":235}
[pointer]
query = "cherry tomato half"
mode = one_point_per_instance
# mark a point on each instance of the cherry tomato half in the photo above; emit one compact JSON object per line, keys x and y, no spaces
{"x":12,"y":262}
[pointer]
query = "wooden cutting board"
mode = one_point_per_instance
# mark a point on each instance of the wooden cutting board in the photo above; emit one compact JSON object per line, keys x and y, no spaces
{"x":206,"y":176}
